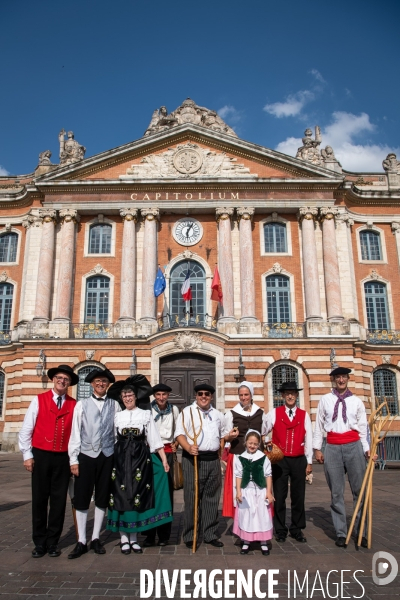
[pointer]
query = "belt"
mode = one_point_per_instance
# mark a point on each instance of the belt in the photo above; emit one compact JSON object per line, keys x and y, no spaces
{"x":203,"y":455}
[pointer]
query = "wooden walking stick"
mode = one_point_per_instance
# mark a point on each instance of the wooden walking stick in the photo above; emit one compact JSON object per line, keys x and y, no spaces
{"x":194,"y":438}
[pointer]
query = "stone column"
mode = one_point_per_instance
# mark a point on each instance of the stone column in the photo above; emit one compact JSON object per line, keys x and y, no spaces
{"x":396,"y":231}
{"x":128,"y":264}
{"x":248,"y":321}
{"x":151,"y":217}
{"x":46,"y":263}
{"x":69,"y":217}
{"x":307,"y":216}
{"x":225,"y":268}
{"x":331,"y":264}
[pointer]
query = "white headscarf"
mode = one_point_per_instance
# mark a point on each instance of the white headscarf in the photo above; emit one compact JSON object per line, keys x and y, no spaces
{"x":249,"y":387}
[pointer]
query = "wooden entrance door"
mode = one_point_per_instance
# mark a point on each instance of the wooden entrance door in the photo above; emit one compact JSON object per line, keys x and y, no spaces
{"x":182,"y":372}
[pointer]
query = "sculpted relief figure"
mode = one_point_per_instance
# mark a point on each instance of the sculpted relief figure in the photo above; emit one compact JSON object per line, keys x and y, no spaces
{"x":391,"y":164}
{"x":71,"y":151}
{"x":330,"y":160}
{"x":44,"y":158}
{"x":309,"y":151}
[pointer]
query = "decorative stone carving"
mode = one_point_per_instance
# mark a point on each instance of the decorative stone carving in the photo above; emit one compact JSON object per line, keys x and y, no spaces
{"x":344,"y":217}
{"x":395,"y":227}
{"x":330,"y":160}
{"x":370,"y":224}
{"x":97,"y":270}
{"x":47,"y":215}
{"x":149,"y":214}
{"x":188,"y":112}
{"x":89,"y":354}
{"x":392,"y":167}
{"x":245,"y":212}
{"x":308,"y":213}
{"x":285,"y":354}
{"x":329,"y":212}
{"x":375,"y":275}
{"x":71,"y":151}
{"x":44,"y":158}
{"x":188,"y":254}
{"x":69,"y":214}
{"x":7,"y":227}
{"x":276,"y":267}
{"x":188,"y":341}
{"x":222,"y":214}
{"x":27,"y":221}
{"x":386,"y":358}
{"x":128,"y":214}
{"x":187,"y":160}
{"x":4,"y":276}
{"x":309,"y":151}
{"x":332,"y":358}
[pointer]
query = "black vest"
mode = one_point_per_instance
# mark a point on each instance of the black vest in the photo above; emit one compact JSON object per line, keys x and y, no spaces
{"x":244,"y":424}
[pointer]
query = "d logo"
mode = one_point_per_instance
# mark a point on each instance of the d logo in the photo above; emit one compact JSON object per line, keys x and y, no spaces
{"x":384,"y":563}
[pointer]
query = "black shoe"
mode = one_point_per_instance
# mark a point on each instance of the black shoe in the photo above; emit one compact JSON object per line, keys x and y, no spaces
{"x":216,"y":543}
{"x":136,"y":550}
{"x":265,"y":552}
{"x":126,"y":548}
{"x":78,"y":550}
{"x":189,"y":545}
{"x":38,"y":552}
{"x":245,"y":549}
{"x":280,"y":538}
{"x":299,"y":537}
{"x":163,"y":542}
{"x":364,"y":542}
{"x":97,"y":546}
{"x":149,"y":542}
{"x":53,"y":551}
{"x":341,"y":542}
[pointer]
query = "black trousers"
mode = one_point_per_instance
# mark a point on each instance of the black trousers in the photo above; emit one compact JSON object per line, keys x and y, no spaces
{"x":50,"y":478}
{"x":164,"y":531}
{"x":295,"y":469}
{"x":94,"y":474}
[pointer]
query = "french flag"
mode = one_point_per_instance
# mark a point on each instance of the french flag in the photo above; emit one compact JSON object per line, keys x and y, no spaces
{"x":185,"y":289}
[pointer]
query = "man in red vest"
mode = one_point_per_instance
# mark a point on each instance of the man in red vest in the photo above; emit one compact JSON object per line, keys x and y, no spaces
{"x":292,"y":433}
{"x":43,"y":441}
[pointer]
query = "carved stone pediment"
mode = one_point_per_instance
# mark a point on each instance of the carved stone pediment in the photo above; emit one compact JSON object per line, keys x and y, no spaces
{"x":185,"y":161}
{"x":188,"y":340}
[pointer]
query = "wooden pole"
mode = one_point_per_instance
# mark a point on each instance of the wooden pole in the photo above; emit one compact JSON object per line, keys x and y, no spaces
{"x":194,"y":438}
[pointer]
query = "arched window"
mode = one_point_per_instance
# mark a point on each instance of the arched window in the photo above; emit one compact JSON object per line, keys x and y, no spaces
{"x":2,"y":381}
{"x":195,"y":309}
{"x":6,"y":300}
{"x":370,"y":242}
{"x":275,"y":237}
{"x":278,"y":299}
{"x":97,"y":299}
{"x":84,"y":389}
{"x":376,"y":305}
{"x":280,"y":375}
{"x":100,"y":239}
{"x":8,"y":247}
{"x":385,"y":388}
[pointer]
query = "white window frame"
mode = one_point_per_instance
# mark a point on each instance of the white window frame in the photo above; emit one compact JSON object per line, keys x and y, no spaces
{"x":99,"y":220}
{"x":18,"y":232}
{"x":389,"y":299}
{"x":275,"y":218}
{"x":382,"y":243}
{"x":290,"y":276}
{"x":280,"y":363}
{"x":394,"y":370}
{"x":82,"y":307}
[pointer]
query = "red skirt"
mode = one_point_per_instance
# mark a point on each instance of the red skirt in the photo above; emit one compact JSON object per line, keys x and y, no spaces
{"x":228,"y":509}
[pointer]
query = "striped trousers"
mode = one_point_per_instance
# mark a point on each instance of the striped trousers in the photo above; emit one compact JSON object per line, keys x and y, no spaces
{"x":209,"y":495}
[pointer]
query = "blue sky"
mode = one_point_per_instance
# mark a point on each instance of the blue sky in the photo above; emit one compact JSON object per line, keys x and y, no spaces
{"x":270,"y":67}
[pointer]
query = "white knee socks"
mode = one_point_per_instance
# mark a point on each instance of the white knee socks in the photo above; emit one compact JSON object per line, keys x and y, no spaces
{"x":81,"y":520}
{"x":98,"y":522}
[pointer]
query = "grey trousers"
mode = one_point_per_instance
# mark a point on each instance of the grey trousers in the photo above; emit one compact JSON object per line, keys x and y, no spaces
{"x":339,"y":460}
{"x":209,"y":494}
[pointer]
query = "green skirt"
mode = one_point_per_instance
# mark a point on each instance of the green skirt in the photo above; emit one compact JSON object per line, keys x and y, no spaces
{"x":133,"y":520}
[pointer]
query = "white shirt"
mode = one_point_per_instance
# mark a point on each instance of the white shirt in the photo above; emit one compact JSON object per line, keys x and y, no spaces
{"x":166,"y":424}
{"x":213,"y":427}
{"x":240,"y":411}
{"x":143,"y":420}
{"x":74,"y":446}
{"x":269,"y":422}
{"x":356,"y":419}
{"x":26,"y":433}
{"x":252,"y":456}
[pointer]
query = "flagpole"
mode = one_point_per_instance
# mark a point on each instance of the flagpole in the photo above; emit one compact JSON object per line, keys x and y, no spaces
{"x":187,"y":302}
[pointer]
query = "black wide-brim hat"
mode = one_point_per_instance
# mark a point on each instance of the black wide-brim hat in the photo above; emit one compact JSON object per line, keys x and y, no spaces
{"x":99,"y":373}
{"x":161,"y":387}
{"x":63,"y":369}
{"x":142,"y":386}
{"x":340,"y":371}
{"x":289,"y":386}
{"x":204,"y":387}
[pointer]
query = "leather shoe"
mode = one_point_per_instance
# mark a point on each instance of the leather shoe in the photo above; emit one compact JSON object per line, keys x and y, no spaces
{"x":299,"y":537}
{"x":163,"y":542}
{"x":78,"y":550}
{"x":216,"y":543}
{"x":148,"y":543}
{"x":364,"y":542}
{"x":53,"y":551}
{"x":280,"y":538}
{"x":136,"y":548}
{"x":125,"y":548}
{"x":245,"y":550}
{"x":38,"y":552}
{"x":189,"y":545}
{"x":265,"y":552}
{"x":341,"y":542}
{"x":97,"y":546}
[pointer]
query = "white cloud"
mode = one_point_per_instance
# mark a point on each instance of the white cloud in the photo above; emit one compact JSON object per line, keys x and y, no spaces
{"x":317,"y":75}
{"x":230,"y":114}
{"x":292,"y":106}
{"x":340,"y":134}
{"x":3,"y":171}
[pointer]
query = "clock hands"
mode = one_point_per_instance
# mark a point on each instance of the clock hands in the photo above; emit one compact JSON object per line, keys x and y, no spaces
{"x":188,"y":229}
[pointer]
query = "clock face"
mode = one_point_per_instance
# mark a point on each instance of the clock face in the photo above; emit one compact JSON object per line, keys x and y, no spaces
{"x":188,"y":231}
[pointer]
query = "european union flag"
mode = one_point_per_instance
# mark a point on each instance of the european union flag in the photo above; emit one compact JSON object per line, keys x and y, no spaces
{"x":159,"y":284}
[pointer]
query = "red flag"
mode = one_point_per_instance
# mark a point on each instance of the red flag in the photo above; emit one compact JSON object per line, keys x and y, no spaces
{"x":216,"y":287}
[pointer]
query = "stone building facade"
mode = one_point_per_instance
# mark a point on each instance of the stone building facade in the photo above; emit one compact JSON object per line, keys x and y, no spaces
{"x":308,"y":255}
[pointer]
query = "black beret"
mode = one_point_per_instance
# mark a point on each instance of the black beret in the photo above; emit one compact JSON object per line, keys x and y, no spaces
{"x":340,"y":371}
{"x":204,"y":387}
{"x":63,"y":369}
{"x":161,"y":387}
{"x":99,"y":373}
{"x":289,"y":386}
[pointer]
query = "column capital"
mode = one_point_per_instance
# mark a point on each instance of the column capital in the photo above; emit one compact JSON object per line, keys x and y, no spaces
{"x":395,"y":227}
{"x":224,"y":213}
{"x":150,"y":214}
{"x":328,"y":213}
{"x":309,"y":213}
{"x":69,"y":214}
{"x":27,"y":221}
{"x":48,"y":215}
{"x":129,"y":214}
{"x":344,"y":217}
{"x":245,"y":212}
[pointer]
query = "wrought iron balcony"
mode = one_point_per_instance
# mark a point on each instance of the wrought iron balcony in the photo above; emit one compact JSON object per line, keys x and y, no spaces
{"x":5,"y":337}
{"x":383,"y":336}
{"x":187,"y":320}
{"x":283,"y":330}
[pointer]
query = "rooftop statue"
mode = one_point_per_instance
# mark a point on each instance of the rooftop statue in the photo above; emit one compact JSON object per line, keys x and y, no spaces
{"x":311,"y":152}
{"x":188,"y":112}
{"x":71,"y":151}
{"x":391,"y":164}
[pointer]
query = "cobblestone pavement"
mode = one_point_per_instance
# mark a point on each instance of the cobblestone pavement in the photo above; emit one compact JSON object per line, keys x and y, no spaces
{"x":113,"y":575}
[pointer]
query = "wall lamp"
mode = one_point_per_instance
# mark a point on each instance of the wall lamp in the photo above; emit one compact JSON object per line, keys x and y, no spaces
{"x":240,"y":376}
{"x":41,"y":366}
{"x":133,"y":365}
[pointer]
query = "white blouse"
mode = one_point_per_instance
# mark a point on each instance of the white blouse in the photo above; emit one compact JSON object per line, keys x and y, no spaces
{"x":142,"y":420}
{"x":255,"y":456}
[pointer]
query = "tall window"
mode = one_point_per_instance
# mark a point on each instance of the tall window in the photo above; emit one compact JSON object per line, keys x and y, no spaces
{"x":370,"y":242}
{"x":280,"y":375}
{"x":196,"y":308}
{"x":275,"y":237}
{"x":84,"y":389}
{"x":278,"y":299}
{"x":6,"y":299}
{"x":2,"y":381}
{"x":97,"y":299}
{"x":376,"y":304}
{"x":100,"y":239}
{"x":385,"y":388}
{"x":8,"y":247}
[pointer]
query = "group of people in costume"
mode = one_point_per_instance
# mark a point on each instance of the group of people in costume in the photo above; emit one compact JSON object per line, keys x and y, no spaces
{"x":124,"y":458}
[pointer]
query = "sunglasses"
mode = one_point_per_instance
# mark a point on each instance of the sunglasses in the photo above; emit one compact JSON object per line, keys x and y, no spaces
{"x":203,"y":393}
